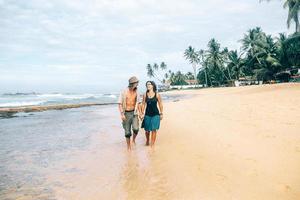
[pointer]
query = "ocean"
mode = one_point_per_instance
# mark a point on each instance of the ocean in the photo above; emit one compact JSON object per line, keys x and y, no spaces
{"x":40,"y":99}
{"x":58,"y":154}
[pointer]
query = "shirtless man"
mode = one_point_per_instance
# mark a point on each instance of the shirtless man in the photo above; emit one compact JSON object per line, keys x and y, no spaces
{"x":129,"y":108}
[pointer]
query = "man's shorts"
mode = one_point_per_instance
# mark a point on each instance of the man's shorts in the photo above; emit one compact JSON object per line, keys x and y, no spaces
{"x":131,"y":121}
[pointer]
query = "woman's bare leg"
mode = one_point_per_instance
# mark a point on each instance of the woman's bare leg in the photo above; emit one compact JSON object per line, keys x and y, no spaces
{"x":153,"y":138}
{"x":147,"y":133}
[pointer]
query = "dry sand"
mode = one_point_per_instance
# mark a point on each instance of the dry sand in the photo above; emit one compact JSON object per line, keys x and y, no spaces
{"x":231,"y":143}
{"x":224,"y":143}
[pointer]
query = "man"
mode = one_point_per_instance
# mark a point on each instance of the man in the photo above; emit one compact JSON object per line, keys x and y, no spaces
{"x":129,"y":108}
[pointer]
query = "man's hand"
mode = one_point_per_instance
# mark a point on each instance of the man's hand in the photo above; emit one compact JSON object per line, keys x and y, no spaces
{"x":123,"y":117}
{"x":142,"y":116}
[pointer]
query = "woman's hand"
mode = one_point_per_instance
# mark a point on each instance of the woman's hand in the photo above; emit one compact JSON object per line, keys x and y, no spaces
{"x":161,"y":116}
{"x":142,"y":116}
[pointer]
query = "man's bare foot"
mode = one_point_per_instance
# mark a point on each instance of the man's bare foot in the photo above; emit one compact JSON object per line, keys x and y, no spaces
{"x":128,"y":144}
{"x":129,"y":148}
{"x":147,"y":143}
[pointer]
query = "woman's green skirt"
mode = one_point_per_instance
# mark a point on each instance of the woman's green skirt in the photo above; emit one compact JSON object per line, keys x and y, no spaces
{"x":151,"y":123}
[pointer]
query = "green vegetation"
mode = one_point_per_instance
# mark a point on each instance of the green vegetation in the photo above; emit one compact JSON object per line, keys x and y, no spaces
{"x":261,"y":57}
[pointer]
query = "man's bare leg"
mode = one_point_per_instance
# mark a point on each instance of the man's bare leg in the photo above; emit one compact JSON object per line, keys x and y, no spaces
{"x":134,"y":136}
{"x":147,"y":133}
{"x":153,"y":138}
{"x":128,"y":143}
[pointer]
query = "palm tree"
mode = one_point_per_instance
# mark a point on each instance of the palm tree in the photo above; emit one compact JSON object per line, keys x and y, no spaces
{"x":191,"y":55}
{"x":225,"y":53}
{"x":291,"y":48}
{"x":253,"y":41}
{"x":293,"y":12}
{"x":155,"y":66}
{"x":215,"y":59}
{"x":262,"y":59}
{"x":150,"y":71}
{"x":153,"y":71}
{"x":268,"y":61}
{"x":166,"y":75}
{"x":235,"y":63}
{"x":281,"y":50}
{"x":179,"y":78}
{"x":163,"y":66}
{"x":201,"y":58}
{"x":189,"y":76}
{"x":280,"y":40}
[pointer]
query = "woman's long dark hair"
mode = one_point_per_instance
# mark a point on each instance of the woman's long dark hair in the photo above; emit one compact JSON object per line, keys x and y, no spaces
{"x":153,"y":84}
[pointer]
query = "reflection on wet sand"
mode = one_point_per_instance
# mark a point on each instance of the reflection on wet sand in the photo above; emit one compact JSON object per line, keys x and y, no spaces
{"x":143,"y":177}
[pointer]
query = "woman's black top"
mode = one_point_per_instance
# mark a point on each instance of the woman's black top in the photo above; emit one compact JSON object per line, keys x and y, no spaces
{"x":151,"y":109}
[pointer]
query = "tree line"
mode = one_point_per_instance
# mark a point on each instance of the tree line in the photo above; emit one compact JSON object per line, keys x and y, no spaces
{"x":261,"y":57}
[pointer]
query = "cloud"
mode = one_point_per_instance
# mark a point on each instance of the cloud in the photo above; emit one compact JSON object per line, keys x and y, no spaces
{"x":100,"y":40}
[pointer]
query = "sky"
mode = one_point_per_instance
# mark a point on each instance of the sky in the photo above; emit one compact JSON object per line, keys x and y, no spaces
{"x":97,"y":45}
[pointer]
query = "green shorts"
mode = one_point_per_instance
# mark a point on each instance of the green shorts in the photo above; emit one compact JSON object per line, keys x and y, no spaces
{"x":131,"y":122}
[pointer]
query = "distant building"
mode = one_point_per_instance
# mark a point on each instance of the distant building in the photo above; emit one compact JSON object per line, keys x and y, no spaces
{"x":247,"y":80}
{"x":191,"y":82}
{"x":163,"y":87}
{"x":296,"y":77}
{"x":179,"y":87}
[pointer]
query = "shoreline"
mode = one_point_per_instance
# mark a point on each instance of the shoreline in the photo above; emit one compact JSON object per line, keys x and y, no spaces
{"x":223,"y":143}
{"x":9,"y":111}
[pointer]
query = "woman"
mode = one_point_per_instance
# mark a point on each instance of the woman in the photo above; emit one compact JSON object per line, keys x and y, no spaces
{"x":152,"y":103}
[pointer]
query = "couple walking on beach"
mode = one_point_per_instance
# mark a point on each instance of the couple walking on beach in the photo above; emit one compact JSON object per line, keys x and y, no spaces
{"x":148,"y":108}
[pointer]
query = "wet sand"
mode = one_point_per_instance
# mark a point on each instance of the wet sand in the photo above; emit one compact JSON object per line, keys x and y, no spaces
{"x":7,"y":112}
{"x":222,"y":143}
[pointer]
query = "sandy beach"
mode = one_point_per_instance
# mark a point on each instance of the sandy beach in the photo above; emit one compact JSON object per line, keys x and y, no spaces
{"x":220,"y":143}
{"x":227,"y":143}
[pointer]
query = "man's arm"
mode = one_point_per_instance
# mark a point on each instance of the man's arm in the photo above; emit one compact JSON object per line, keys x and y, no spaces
{"x":121,"y":109}
{"x":120,"y":105}
{"x":140,"y":103}
{"x":143,"y":106}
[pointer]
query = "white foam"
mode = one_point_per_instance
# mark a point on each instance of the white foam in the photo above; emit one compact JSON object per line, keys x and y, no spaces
{"x":21,"y":103}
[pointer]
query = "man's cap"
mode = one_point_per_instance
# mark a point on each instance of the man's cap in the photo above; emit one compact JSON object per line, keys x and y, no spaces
{"x":133,"y":80}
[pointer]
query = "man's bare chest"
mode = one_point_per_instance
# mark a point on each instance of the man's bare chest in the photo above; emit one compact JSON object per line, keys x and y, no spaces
{"x":131,"y":98}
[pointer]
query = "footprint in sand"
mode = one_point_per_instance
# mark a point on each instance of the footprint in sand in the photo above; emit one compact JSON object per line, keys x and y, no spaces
{"x":199,"y":156}
{"x":269,"y":136}
{"x":158,"y":186}
{"x":253,"y":173}
{"x":221,"y":177}
{"x":251,"y":159}
{"x":287,"y":188}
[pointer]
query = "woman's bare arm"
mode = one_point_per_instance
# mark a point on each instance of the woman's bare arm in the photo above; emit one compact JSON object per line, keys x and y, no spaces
{"x":160,"y":104}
